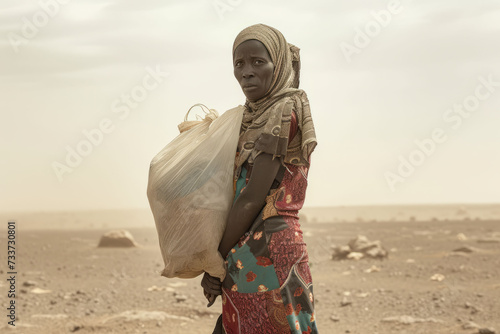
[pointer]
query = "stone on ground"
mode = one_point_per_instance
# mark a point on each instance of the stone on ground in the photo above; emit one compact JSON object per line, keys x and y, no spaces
{"x":360,"y":247}
{"x":117,"y":238}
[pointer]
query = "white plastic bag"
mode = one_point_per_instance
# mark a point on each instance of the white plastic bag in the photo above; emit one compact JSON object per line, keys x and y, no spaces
{"x":190,"y":191}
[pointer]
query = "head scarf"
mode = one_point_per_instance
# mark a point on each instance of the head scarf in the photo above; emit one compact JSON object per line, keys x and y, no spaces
{"x":266,"y":122}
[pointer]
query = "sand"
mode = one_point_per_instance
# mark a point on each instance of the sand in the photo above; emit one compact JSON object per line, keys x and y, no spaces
{"x":66,"y":284}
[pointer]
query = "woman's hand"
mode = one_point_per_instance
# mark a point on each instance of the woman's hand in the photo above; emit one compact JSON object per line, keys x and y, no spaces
{"x":212,"y":287}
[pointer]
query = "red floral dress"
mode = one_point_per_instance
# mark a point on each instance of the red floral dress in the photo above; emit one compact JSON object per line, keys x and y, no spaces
{"x":268,"y":288}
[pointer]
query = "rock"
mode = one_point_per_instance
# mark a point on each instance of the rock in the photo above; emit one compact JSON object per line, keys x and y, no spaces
{"x":74,"y":328}
{"x":408,"y":320}
{"x":345,"y":302}
{"x":180,"y":298}
{"x":372,"y":269}
{"x":38,"y":291}
{"x":358,"y":248}
{"x":372,"y":249}
{"x":334,"y":318}
{"x":29,"y":283}
{"x":461,"y":237}
{"x":466,"y":249}
{"x":156,"y":288}
{"x":437,"y":277}
{"x":177,"y":284}
{"x":486,"y":331}
{"x":470,"y":325}
{"x":117,"y":238}
{"x":473,"y":309}
{"x":377,"y":252}
{"x":340,"y":252}
{"x":359,"y":243}
{"x":355,"y":256}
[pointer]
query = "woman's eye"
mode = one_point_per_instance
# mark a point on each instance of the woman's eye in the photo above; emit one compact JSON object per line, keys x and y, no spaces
{"x":237,"y":64}
{"x":258,"y":62}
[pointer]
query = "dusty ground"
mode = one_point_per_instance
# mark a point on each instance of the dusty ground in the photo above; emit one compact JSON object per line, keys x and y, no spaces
{"x":90,"y":287}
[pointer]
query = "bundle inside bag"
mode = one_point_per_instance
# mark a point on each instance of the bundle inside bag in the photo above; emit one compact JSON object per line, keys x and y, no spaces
{"x":190,"y":192}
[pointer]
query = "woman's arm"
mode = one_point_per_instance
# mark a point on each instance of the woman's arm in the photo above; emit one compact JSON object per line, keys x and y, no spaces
{"x":245,"y":209}
{"x":242,"y":214}
{"x":250,"y":201}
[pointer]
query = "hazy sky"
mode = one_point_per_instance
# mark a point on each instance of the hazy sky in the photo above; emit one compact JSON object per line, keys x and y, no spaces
{"x":380,"y":75}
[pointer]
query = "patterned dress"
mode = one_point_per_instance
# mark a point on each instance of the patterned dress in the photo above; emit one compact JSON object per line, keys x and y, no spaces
{"x":268,"y":288}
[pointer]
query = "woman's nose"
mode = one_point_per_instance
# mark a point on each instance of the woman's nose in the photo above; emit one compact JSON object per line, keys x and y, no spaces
{"x":247,"y":72}
{"x":247,"y":75}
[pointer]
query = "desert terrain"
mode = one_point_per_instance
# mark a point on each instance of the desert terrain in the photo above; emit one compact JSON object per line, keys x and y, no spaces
{"x":442,"y":275}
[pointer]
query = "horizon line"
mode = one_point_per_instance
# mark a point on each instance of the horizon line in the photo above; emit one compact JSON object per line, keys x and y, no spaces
{"x":305,"y":207}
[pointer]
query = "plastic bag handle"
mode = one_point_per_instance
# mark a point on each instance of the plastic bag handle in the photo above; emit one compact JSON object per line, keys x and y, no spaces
{"x":202,"y":106}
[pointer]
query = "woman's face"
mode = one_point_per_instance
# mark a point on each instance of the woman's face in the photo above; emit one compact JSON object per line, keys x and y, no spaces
{"x":253,"y":69}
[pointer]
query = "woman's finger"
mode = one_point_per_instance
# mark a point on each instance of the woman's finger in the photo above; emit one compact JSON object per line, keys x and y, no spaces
{"x":210,"y":298}
{"x":211,"y":278}
{"x":211,"y":284}
{"x":213,"y":289}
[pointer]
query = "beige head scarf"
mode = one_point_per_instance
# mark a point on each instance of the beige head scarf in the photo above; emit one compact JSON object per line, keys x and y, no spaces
{"x":266,"y":122}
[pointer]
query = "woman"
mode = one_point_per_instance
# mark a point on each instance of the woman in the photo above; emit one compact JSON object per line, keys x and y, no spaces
{"x":268,"y":285}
